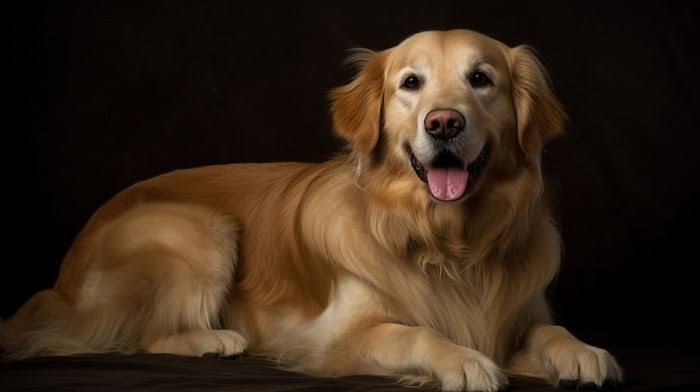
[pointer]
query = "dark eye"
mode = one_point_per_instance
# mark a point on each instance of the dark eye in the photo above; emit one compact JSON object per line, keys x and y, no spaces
{"x":479,"y":79}
{"x":412,"y":82}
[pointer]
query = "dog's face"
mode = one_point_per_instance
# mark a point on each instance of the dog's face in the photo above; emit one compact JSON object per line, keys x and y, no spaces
{"x":449,"y":106}
{"x":447,"y":99}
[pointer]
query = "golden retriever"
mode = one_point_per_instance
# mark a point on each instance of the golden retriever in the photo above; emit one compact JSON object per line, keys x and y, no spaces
{"x":421,"y":253}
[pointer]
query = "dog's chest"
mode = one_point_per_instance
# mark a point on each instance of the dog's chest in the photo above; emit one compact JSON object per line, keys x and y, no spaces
{"x":472,"y":313}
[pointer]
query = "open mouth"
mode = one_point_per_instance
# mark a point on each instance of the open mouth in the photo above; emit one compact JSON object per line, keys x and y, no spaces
{"x":448,"y":177}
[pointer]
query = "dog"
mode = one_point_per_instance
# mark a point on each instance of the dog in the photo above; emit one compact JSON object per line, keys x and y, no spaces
{"x":422,"y":252}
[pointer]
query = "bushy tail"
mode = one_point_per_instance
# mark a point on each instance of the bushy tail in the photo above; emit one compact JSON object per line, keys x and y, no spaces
{"x":47,"y":325}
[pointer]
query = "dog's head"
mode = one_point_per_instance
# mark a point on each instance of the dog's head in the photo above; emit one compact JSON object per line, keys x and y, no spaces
{"x":450,"y":109}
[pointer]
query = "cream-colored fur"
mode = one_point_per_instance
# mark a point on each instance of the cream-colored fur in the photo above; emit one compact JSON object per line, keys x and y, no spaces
{"x":349,"y":266}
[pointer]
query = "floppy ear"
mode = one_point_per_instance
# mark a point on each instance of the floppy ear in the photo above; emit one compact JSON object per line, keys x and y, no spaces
{"x":540,"y":116}
{"x":357,"y":106}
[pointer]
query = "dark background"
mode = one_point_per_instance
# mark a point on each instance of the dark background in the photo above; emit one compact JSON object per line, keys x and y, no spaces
{"x":108,"y":93}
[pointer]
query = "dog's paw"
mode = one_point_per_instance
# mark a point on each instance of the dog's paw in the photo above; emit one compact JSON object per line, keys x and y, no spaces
{"x":583,"y":367}
{"x":472,"y":371}
{"x":221,"y":343}
{"x":203,"y":343}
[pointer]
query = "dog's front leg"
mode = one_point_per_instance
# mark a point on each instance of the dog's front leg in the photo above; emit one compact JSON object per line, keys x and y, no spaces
{"x":566,"y":360}
{"x":394,"y":349}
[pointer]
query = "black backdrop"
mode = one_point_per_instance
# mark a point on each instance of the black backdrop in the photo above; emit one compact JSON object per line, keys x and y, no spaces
{"x":108,"y":93}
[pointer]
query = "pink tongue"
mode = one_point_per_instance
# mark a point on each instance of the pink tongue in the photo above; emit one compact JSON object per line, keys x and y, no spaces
{"x":447,"y":183}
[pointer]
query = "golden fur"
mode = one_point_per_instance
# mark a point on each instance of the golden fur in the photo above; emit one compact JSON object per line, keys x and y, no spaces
{"x":344,"y":267}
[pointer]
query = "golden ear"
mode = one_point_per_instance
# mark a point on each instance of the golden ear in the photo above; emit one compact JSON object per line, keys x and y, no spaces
{"x":357,"y":106}
{"x":539,"y":113}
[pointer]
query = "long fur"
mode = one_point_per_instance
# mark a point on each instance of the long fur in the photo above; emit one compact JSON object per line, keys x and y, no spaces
{"x":342,"y":267}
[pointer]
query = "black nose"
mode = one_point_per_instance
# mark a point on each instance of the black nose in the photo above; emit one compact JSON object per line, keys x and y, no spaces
{"x":444,"y":123}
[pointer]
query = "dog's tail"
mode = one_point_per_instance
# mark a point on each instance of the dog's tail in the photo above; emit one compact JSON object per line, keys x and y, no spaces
{"x":48,"y":325}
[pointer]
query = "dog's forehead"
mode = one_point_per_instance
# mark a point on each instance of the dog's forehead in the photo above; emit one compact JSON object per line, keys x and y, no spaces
{"x":432,"y":47}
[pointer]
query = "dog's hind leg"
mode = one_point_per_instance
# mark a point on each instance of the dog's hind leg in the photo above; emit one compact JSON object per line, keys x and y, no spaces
{"x":157,"y":279}
{"x":182,"y":309}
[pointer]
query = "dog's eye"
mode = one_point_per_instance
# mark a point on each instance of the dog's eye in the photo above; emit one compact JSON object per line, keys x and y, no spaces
{"x":479,"y":79}
{"x":412,"y":82}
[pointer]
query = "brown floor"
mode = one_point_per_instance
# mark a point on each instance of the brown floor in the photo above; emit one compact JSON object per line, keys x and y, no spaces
{"x":648,"y":368}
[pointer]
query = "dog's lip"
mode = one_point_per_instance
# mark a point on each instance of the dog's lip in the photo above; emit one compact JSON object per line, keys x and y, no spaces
{"x":474,"y":168}
{"x":417,"y":166}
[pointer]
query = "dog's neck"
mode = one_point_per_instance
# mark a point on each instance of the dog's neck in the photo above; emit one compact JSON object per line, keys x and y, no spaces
{"x":463,"y":233}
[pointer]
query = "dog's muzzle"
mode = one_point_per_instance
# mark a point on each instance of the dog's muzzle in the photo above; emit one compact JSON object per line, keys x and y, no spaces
{"x":448,"y":177}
